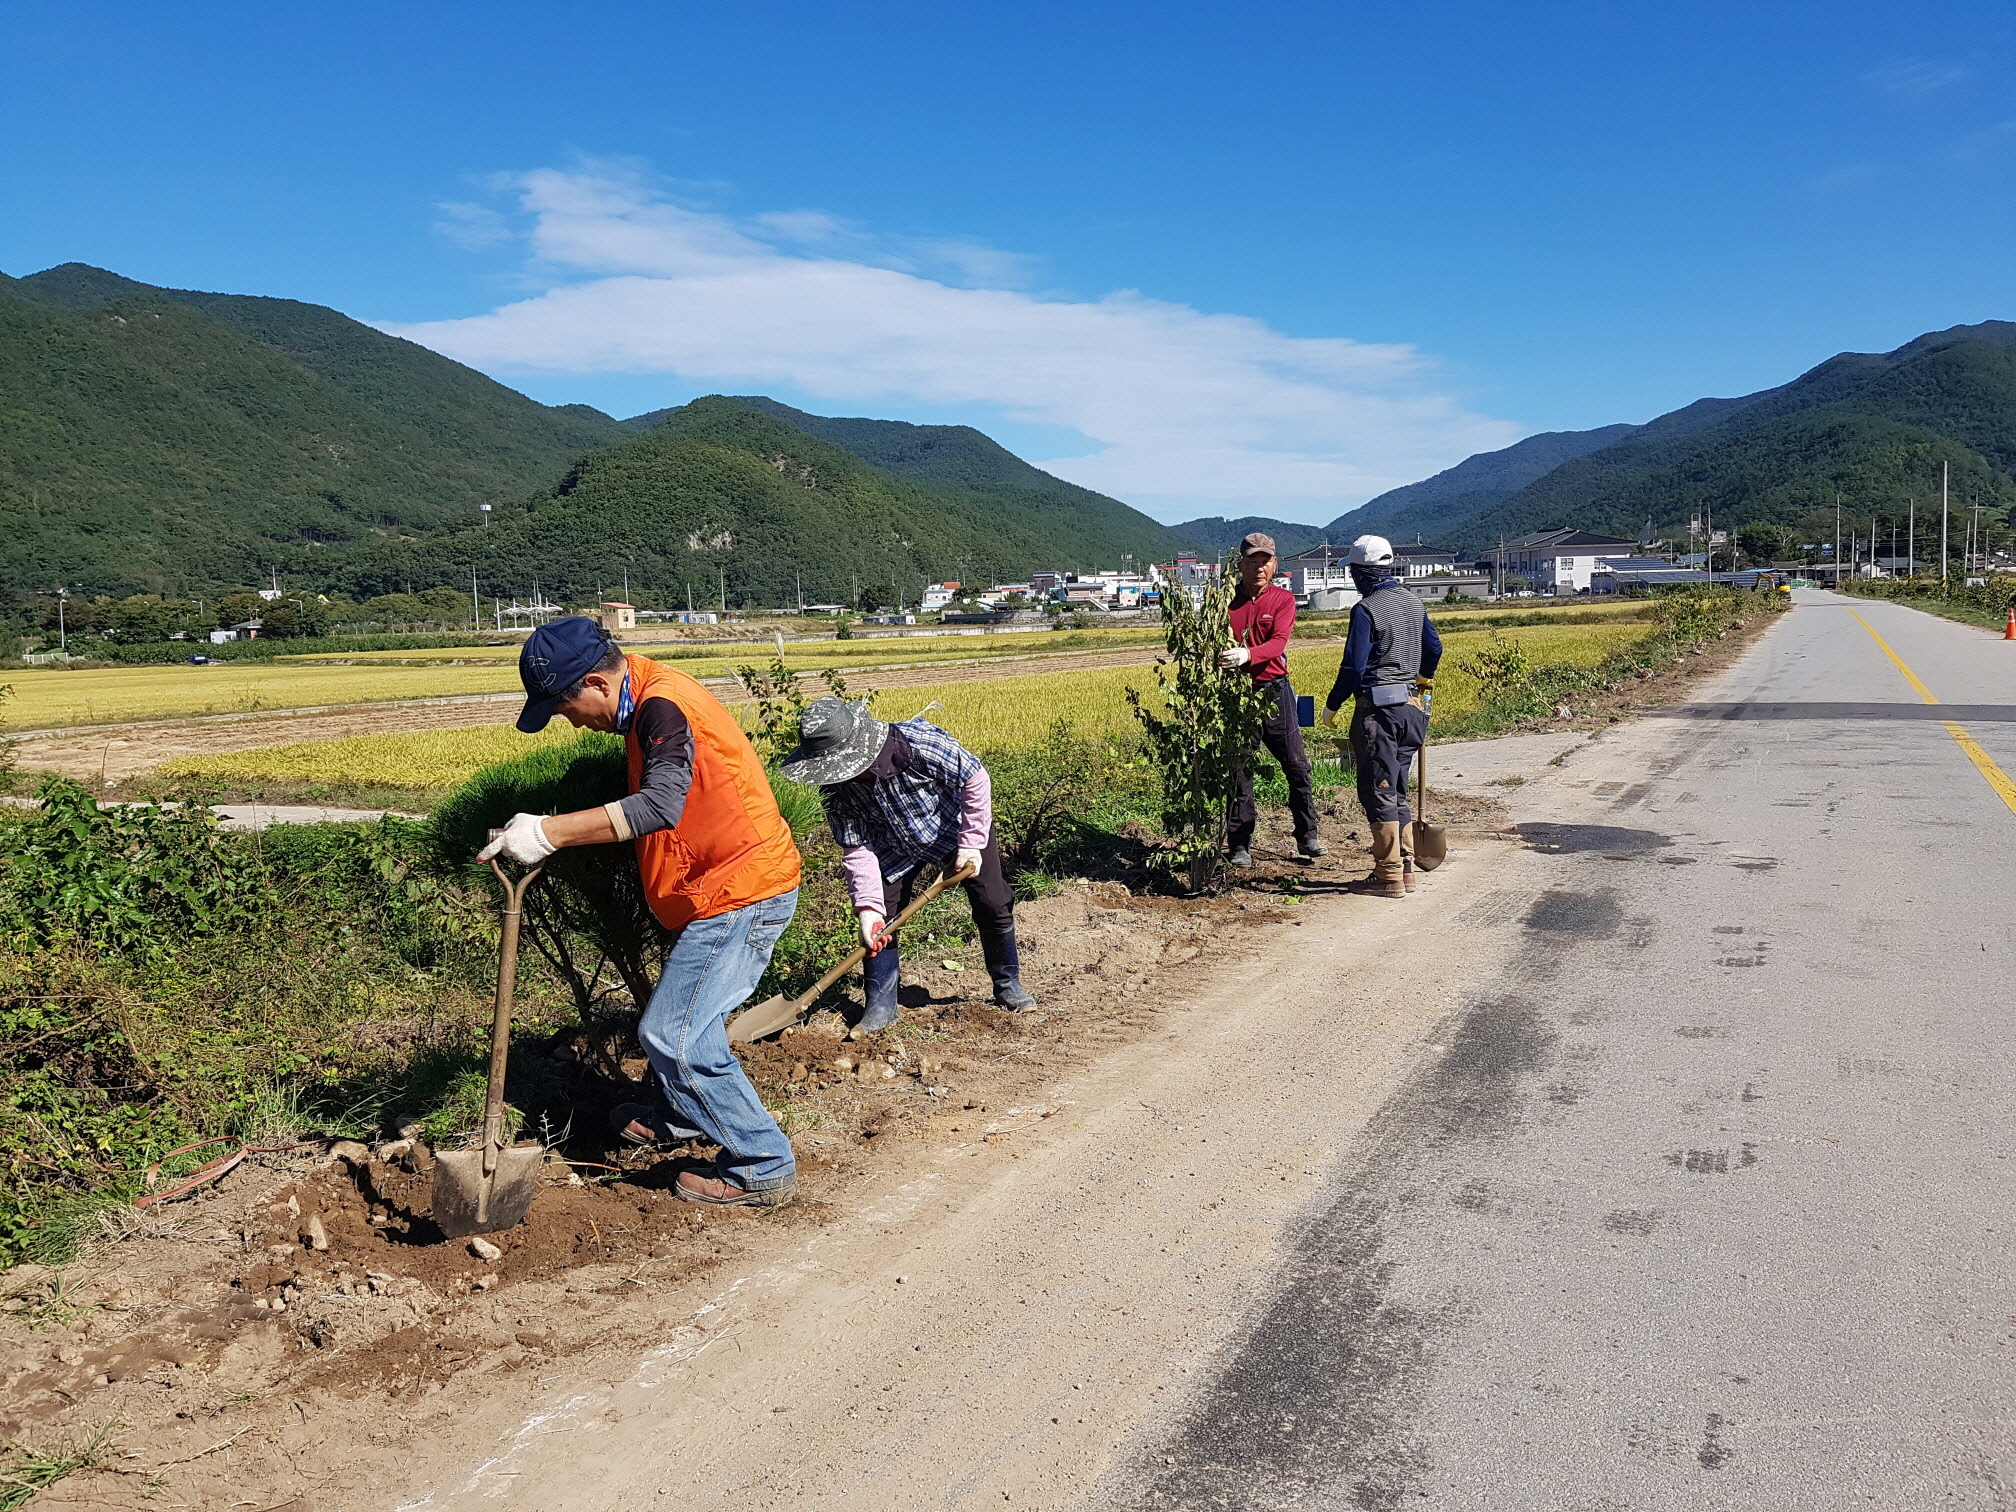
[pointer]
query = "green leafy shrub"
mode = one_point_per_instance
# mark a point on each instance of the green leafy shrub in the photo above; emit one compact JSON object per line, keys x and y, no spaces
{"x":1199,"y":747}
{"x":163,"y":981}
{"x":587,"y":915}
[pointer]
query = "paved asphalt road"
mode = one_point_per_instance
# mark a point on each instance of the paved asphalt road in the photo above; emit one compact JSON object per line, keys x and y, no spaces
{"x":1706,"y":1202}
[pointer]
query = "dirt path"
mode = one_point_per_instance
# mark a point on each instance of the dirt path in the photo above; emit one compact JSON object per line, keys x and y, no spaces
{"x":1027,"y":1247}
{"x":118,"y":753}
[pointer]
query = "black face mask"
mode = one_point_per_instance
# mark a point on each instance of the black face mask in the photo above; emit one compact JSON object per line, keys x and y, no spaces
{"x":1365,"y":578}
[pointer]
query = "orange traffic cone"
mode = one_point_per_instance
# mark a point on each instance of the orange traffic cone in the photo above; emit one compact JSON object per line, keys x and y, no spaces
{"x":2009,"y":630}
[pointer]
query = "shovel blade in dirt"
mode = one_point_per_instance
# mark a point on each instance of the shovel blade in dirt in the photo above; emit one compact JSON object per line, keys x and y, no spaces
{"x":490,"y":1187}
{"x":767,"y":1017}
{"x":1431,"y":845}
{"x":772,"y":1014}
{"x":468,"y":1200}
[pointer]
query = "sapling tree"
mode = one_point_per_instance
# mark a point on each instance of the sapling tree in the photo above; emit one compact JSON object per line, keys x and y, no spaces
{"x":780,"y":702}
{"x":1204,"y":740}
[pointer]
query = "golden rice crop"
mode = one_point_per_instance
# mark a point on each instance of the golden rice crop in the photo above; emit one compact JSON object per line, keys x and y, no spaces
{"x":984,"y":713}
{"x":51,"y":697}
{"x":423,"y":761}
{"x":100,"y":694}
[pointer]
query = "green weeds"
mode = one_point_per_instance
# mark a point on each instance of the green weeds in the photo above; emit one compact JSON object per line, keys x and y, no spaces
{"x":24,"y":1470}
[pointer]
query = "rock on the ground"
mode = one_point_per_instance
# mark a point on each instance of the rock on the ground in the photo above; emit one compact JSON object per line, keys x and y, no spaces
{"x":483,"y":1249}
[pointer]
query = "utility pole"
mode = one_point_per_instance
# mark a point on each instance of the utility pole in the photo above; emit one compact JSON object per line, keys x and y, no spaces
{"x":1837,"y":540}
{"x":799,"y":579}
{"x":721,"y":575}
{"x":1943,"y":520}
{"x":1911,"y":535}
{"x":62,"y":621}
{"x":475,"y":605}
{"x":689,"y":598}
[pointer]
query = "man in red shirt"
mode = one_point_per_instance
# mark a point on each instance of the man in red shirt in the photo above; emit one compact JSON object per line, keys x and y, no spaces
{"x":1263,"y":617}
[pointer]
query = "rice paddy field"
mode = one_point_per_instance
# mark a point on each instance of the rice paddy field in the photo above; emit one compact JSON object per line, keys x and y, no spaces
{"x":48,"y":698}
{"x":986,"y":714}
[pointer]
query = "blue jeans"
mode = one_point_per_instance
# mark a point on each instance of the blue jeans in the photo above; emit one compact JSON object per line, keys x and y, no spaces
{"x":713,"y":966}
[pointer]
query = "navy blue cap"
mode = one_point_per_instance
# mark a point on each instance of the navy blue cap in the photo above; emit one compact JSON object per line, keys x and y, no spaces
{"x":556,"y":657}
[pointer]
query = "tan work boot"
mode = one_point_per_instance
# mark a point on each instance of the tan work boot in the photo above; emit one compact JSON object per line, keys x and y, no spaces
{"x":1388,"y":878}
{"x":1407,"y":856}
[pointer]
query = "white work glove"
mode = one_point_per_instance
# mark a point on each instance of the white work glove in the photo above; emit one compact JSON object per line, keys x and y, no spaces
{"x":1234,"y":656}
{"x":1329,"y":719}
{"x":967,"y":859}
{"x":523,"y":840}
{"x":871,"y":928}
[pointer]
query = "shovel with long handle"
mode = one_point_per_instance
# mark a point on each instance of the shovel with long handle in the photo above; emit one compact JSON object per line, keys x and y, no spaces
{"x":483,"y":1190}
{"x":780,"y":1012}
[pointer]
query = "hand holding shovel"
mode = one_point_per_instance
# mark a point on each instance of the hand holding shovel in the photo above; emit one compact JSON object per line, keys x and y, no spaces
{"x":779,"y":1012}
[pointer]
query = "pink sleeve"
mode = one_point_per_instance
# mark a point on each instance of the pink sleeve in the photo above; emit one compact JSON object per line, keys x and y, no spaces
{"x":976,"y":810}
{"x":864,"y":877}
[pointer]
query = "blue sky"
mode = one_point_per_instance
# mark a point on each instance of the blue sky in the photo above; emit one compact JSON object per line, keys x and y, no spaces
{"x":1258,"y":258}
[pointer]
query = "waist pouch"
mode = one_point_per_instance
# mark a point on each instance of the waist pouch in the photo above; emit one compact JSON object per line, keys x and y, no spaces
{"x":1385,"y":695}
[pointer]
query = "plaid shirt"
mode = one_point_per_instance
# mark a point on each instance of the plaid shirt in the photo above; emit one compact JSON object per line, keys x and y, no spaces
{"x":912,"y":817}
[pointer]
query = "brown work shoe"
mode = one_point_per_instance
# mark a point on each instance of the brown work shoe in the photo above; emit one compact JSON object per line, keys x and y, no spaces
{"x":631,"y":1123}
{"x":1376,"y":886}
{"x":1407,"y":880}
{"x":703,"y":1186}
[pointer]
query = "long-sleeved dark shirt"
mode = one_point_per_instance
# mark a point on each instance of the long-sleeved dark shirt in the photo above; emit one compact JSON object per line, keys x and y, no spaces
{"x":1373,"y":648}
{"x":661,"y":729}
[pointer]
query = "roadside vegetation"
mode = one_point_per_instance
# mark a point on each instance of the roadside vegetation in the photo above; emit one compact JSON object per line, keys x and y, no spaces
{"x":163,"y":982}
{"x":1985,"y":604}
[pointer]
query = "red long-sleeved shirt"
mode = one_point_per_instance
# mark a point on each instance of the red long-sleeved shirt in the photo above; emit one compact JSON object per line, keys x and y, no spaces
{"x":1262,"y":623}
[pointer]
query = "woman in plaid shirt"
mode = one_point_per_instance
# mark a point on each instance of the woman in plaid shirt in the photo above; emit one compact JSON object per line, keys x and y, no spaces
{"x":901,"y":797}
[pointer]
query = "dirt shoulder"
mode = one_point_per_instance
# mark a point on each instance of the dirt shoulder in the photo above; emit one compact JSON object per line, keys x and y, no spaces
{"x":285,"y":1333}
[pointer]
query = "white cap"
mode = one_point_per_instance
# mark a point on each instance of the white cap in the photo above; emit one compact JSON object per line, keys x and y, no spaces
{"x":1370,"y":551}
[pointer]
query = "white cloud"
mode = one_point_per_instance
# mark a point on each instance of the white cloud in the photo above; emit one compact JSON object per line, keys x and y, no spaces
{"x":1188,"y":412}
{"x":1915,"y":78}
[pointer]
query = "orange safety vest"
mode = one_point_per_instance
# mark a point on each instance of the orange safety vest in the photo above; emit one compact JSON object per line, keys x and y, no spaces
{"x":731,"y":846}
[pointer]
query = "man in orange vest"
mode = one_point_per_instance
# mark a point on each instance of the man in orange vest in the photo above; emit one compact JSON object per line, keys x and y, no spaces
{"x":719,"y":870}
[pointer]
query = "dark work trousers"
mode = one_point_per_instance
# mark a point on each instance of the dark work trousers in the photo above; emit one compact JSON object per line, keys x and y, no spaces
{"x":1281,"y":733}
{"x":1384,"y":743}
{"x":993,"y":903}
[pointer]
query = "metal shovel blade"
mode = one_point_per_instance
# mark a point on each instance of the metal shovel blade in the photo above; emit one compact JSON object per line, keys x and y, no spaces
{"x":767,"y":1017}
{"x":468,"y":1202}
{"x":1431,"y":845}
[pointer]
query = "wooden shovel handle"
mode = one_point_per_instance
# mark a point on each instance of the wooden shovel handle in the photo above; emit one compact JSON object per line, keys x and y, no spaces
{"x":500,"y":1024}
{"x":860,"y":952}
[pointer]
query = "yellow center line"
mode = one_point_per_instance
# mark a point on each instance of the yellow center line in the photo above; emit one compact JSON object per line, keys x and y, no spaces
{"x":1983,"y":762}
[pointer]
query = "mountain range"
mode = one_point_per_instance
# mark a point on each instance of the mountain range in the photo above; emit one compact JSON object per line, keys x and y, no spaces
{"x":167,"y":440}
{"x":1869,"y":428}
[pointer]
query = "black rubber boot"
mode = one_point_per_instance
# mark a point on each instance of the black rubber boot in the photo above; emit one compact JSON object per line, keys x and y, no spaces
{"x":1004,"y":966}
{"x":881,"y":975}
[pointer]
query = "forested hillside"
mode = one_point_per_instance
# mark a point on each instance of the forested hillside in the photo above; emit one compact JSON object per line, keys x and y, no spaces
{"x":1431,"y":508}
{"x":153,"y":440}
{"x":1089,"y":528}
{"x":163,"y":440}
{"x":1871,"y":429}
{"x":1214,"y":533}
{"x":718,"y":495}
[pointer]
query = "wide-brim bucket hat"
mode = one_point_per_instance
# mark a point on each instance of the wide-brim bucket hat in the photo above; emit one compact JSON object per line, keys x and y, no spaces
{"x":838,"y":740}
